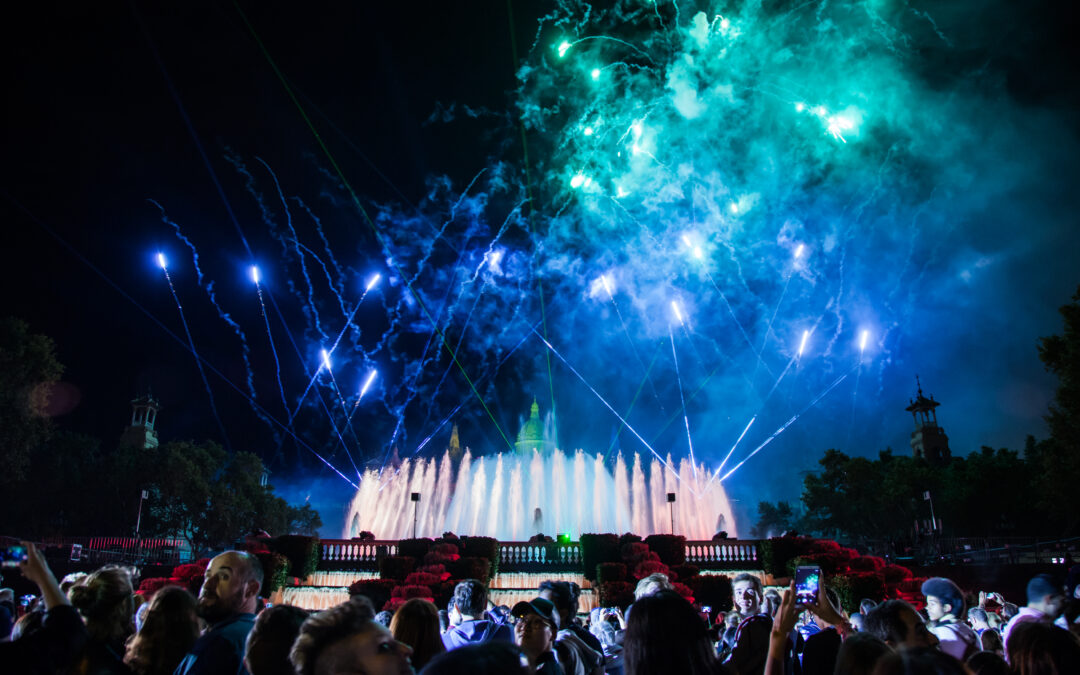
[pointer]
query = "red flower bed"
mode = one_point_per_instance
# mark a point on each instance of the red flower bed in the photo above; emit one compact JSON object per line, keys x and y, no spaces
{"x":408,"y":592}
{"x":422,"y":579}
{"x":647,"y":567}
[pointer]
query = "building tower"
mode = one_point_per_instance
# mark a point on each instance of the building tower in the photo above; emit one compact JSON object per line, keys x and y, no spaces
{"x":928,"y":440}
{"x":141,"y":433}
{"x":531,"y":436}
{"x":455,"y":444}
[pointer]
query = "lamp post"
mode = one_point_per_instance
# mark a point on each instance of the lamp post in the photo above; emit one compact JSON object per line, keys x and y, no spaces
{"x":415,"y":497}
{"x":671,"y":508}
{"x":138,"y":524}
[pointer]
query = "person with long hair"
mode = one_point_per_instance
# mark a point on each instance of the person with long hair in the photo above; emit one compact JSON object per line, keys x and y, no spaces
{"x":105,"y":601}
{"x":416,"y":623}
{"x":169,"y":630}
{"x":1041,"y":648}
{"x":665,"y":635}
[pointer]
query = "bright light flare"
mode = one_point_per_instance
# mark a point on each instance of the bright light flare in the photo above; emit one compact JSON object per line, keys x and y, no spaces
{"x":374,"y":280}
{"x":799,"y":251}
{"x":255,"y":273}
{"x":607,"y":285}
{"x":838,"y":124}
{"x":325,"y":359}
{"x":564,"y":46}
{"x":863,"y":339}
{"x":596,"y":74}
{"x":802,"y":344}
{"x":678,"y":312}
{"x":161,"y":261}
{"x":577,"y":181}
{"x":367,"y":382}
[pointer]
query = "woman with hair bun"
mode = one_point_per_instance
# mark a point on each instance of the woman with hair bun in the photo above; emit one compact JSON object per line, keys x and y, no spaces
{"x":168,"y":632}
{"x":104,"y":599}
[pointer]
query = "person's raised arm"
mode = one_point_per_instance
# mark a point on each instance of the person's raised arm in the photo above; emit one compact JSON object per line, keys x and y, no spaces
{"x":37,"y":570}
{"x":783,"y":624}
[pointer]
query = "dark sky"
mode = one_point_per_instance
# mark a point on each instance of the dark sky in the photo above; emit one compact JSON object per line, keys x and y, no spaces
{"x":110,"y":106}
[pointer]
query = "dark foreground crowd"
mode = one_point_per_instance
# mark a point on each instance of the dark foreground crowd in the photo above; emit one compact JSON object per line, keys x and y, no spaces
{"x":94,"y":625}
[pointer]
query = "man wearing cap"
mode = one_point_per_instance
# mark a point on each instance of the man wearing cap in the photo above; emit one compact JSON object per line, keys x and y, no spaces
{"x":535,"y":633}
{"x":946,"y":608}
{"x":1046,"y":600}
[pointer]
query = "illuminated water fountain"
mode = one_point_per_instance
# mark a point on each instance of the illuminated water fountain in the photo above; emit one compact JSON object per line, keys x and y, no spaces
{"x":514,"y":495}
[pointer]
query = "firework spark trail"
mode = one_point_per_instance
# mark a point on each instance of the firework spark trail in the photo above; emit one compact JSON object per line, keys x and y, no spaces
{"x":294,"y":239}
{"x":633,"y":347}
{"x":339,"y":286}
{"x":731,"y":311}
{"x":858,"y":375}
{"x":613,"y":411}
{"x":682,"y":399}
{"x":208,"y":287}
{"x":430,"y":247}
{"x":768,"y":327}
{"x":488,"y":375}
{"x":349,"y":316}
{"x":326,"y":272}
{"x":188,"y":345}
{"x":359,"y":397}
{"x":163,"y":264}
{"x":257,"y":279}
{"x":787,"y":424}
{"x":330,"y":415}
{"x":633,"y":401}
{"x":730,"y":452}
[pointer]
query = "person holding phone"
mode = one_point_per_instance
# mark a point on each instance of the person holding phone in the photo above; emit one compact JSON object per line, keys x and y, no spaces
{"x":62,"y":634}
{"x":784,"y":622}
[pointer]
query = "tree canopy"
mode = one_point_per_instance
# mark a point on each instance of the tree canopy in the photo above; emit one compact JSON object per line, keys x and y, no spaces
{"x":988,"y":492}
{"x":28,"y":369}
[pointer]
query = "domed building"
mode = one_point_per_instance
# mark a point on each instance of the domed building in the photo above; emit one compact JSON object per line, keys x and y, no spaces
{"x":533,"y":434}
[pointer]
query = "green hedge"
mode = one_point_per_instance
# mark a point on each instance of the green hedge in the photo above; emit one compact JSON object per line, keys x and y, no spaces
{"x":616,"y":594}
{"x":471,"y":568}
{"x":275,"y":572}
{"x":414,"y":548}
{"x":712,"y":590}
{"x":377,"y":590}
{"x":396,"y":567}
{"x":670,"y":547}
{"x":853,"y":587}
{"x":610,"y":571}
{"x":481,"y":547}
{"x":776,"y":553}
{"x":597,"y":549}
{"x":684,"y":572}
{"x":301,"y":550}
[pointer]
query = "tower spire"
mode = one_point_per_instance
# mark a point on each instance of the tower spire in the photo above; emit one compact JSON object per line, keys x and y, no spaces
{"x":928,"y":440}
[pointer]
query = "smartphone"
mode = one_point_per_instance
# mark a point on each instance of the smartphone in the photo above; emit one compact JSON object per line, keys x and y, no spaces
{"x":12,"y":556}
{"x":807,"y":584}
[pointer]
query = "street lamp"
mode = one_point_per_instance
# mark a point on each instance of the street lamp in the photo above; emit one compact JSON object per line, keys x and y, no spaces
{"x":415,"y":498}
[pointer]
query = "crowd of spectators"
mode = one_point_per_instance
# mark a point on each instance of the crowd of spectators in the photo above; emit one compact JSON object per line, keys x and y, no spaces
{"x":96,"y":624}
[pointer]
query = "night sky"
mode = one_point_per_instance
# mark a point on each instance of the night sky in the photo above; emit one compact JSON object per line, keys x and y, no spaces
{"x":693,"y":192}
